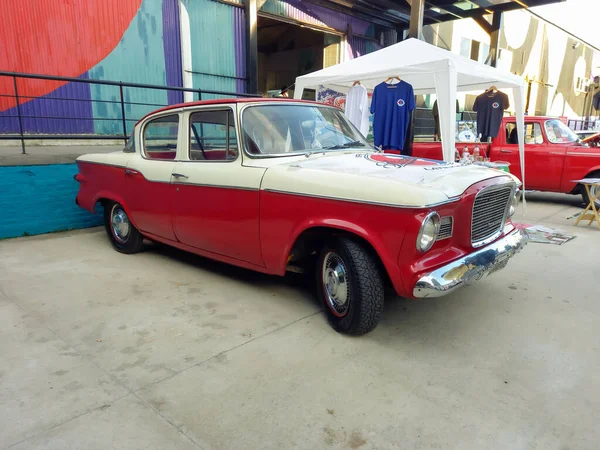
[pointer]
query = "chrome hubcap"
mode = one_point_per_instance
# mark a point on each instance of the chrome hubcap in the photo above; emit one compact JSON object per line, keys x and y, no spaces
{"x":120,"y":224}
{"x":335,"y":284}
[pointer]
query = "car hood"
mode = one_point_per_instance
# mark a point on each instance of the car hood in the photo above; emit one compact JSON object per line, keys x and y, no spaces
{"x":376,"y":178}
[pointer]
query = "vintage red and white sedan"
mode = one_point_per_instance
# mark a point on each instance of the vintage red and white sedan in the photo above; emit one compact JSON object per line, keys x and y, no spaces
{"x":283,"y":185}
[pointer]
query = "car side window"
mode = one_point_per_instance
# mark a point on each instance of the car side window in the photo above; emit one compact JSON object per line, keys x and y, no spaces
{"x":160,"y":138}
{"x":533,"y":134}
{"x":213,"y":136}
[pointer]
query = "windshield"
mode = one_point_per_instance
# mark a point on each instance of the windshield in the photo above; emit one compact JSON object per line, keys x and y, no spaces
{"x":287,"y":129}
{"x":559,"y":133}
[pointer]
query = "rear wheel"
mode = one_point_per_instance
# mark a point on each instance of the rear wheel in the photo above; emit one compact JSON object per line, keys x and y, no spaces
{"x":350,"y":285}
{"x":124,"y":237}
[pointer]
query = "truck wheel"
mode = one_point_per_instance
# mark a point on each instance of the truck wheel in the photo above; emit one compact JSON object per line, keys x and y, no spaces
{"x":350,"y":285}
{"x":593,"y":190}
{"x":124,"y":237}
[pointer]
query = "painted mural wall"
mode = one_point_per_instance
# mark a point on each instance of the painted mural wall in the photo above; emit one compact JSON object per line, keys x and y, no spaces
{"x":193,"y":43}
{"x":557,"y":65}
{"x":120,"y":40}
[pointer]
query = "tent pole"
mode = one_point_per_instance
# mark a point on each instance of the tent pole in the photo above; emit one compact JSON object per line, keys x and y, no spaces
{"x":519,"y":95}
{"x":445,"y":88}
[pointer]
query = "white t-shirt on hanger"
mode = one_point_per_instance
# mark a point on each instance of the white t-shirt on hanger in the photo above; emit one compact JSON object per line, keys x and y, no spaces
{"x":357,"y":108}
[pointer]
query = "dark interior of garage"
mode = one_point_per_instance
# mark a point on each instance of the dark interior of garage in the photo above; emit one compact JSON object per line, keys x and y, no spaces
{"x":286,"y":51}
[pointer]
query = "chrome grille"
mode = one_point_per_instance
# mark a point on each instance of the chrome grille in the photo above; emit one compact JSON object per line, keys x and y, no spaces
{"x":489,"y":212}
{"x":446,"y":224}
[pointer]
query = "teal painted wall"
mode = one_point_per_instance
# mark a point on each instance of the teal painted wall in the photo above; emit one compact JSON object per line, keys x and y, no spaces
{"x":139,"y":58}
{"x":212,"y":45}
{"x":41,"y":199}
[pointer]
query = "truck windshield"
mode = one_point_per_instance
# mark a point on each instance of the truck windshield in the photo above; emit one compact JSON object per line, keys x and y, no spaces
{"x":281,"y":129}
{"x":559,"y":133}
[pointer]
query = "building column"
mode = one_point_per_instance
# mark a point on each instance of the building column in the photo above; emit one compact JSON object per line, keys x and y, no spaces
{"x":252,"y":46}
{"x":497,"y":19}
{"x":417,"y":9}
{"x":493,"y":31}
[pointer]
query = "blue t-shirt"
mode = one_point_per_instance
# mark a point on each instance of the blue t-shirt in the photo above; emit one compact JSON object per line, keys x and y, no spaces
{"x":391,"y":104}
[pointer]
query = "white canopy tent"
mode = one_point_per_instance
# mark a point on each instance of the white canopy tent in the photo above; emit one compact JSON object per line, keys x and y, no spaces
{"x":428,"y":69}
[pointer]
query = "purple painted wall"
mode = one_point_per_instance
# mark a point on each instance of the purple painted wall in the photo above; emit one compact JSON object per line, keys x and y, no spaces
{"x":240,"y":42}
{"x":54,"y":105}
{"x":172,"y":48}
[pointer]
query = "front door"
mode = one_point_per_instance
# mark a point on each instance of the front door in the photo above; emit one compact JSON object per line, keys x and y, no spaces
{"x":149,"y":192}
{"x":543,"y":161}
{"x":216,"y":199}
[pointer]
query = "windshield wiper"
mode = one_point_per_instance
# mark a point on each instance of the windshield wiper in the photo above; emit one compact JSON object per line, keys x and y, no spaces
{"x":346,"y":145}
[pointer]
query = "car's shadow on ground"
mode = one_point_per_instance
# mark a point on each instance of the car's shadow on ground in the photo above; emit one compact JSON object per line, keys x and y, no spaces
{"x":303,"y":282}
{"x":426,"y":319}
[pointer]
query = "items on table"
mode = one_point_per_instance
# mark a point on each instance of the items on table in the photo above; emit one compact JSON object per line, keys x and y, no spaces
{"x":357,"y":108}
{"x":392,"y":105}
{"x":490,"y":108}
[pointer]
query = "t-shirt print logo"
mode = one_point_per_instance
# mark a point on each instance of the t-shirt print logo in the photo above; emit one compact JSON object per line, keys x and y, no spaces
{"x":495,"y":105}
{"x":400,"y":102}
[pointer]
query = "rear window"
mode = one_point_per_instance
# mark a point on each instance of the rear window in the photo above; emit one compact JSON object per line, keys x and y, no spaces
{"x":160,"y":138}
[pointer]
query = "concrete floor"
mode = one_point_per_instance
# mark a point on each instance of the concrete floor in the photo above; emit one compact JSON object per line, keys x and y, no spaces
{"x":165,"y":350}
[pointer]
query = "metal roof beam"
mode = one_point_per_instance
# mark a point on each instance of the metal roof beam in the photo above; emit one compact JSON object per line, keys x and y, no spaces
{"x":370,"y":14}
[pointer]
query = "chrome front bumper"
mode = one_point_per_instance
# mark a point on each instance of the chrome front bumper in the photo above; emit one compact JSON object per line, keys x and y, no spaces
{"x":472,"y":267}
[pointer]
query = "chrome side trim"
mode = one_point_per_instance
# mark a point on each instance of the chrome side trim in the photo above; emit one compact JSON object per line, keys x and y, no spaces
{"x":472,"y":267}
{"x":341,"y":199}
{"x":596,"y":155}
{"x":100,"y":164}
{"x":239,"y":188}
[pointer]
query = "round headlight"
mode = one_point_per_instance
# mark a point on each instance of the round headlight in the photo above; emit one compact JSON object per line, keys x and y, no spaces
{"x":514,"y":202}
{"x":428,"y":232}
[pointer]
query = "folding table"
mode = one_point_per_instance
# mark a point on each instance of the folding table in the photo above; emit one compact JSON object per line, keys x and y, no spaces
{"x":590,"y":213}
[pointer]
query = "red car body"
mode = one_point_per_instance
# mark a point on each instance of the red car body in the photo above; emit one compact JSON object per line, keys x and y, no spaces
{"x":270,"y":212}
{"x":549,"y":166}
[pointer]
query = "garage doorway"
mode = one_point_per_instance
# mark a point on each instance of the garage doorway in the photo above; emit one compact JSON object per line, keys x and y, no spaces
{"x":288,"y":50}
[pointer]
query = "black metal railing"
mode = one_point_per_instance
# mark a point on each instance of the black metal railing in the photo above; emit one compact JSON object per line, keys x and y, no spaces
{"x":20,"y":99}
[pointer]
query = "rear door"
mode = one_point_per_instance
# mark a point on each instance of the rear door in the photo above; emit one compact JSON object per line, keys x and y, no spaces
{"x":216,"y":198}
{"x":148,"y":175}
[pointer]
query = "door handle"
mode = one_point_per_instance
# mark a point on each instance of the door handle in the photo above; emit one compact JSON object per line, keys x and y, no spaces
{"x":131,"y":172}
{"x":557,"y":153}
{"x":179,"y":175}
{"x":505,"y":151}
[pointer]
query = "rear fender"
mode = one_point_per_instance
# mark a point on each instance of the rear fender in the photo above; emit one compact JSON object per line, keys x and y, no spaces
{"x":111,"y":196}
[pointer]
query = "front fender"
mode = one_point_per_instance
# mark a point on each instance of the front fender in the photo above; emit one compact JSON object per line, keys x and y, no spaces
{"x":386,"y":253}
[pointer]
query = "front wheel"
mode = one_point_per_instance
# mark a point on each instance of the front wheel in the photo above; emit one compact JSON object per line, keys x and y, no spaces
{"x":350,"y":285}
{"x":124,"y":237}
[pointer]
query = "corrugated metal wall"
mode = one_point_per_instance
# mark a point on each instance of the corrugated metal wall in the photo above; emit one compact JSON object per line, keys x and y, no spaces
{"x":118,"y":40}
{"x":135,"y":41}
{"x":139,"y":58}
{"x":214,"y":27}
